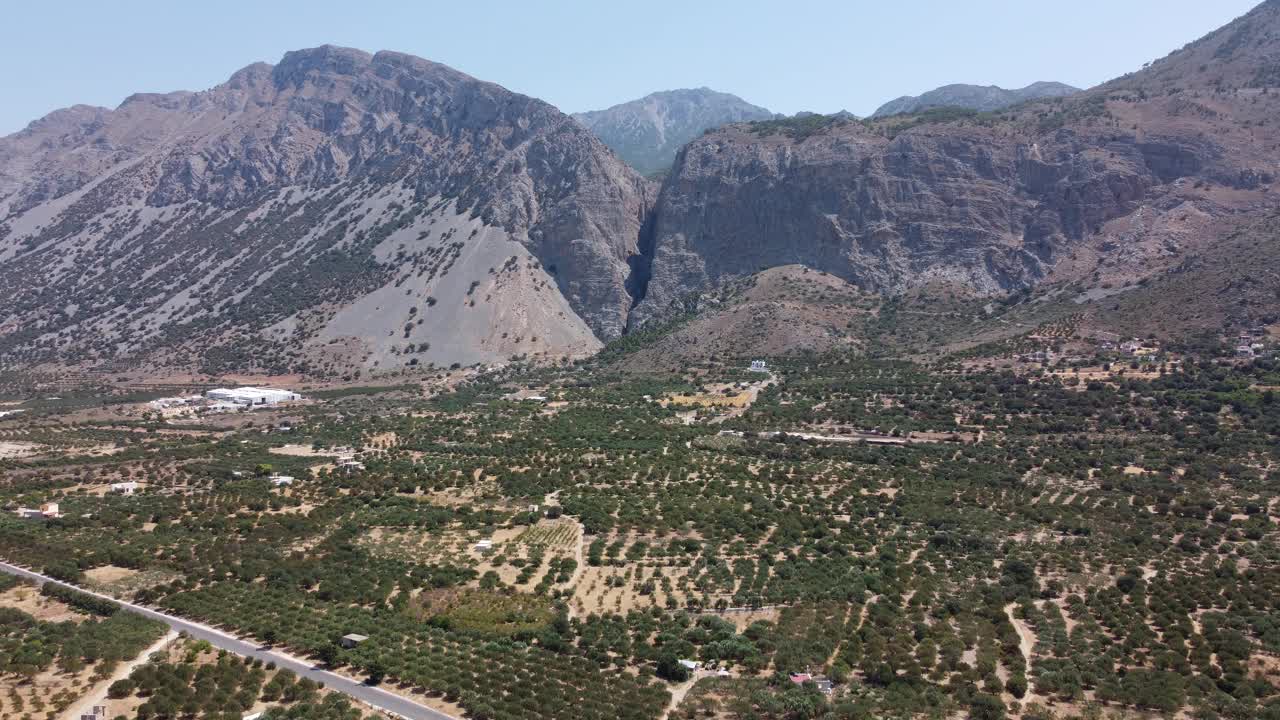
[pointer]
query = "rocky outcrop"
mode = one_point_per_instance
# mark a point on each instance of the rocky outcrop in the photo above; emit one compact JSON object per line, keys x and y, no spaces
{"x":1110,"y":185}
{"x":988,"y":208}
{"x":648,"y":132}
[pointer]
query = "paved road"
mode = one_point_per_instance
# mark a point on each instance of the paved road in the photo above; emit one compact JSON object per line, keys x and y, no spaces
{"x":376,"y":697}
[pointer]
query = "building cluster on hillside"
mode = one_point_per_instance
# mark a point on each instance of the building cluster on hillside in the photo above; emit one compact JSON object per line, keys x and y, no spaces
{"x":227,"y":399}
{"x":1039,"y":356}
{"x":1251,"y":343}
{"x":1140,"y":349}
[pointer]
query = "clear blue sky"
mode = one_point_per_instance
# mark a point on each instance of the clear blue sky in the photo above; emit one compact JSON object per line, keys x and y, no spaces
{"x":821,"y":55}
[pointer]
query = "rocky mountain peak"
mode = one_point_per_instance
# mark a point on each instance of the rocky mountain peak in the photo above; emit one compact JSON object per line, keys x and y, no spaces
{"x":333,"y":193}
{"x":326,"y":59}
{"x":648,"y":132}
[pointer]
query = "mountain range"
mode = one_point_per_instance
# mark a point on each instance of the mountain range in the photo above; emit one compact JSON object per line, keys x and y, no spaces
{"x":342,"y":212}
{"x":973,"y":97}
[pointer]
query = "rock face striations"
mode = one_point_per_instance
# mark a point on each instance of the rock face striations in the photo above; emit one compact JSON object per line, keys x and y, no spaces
{"x":266,"y":213}
{"x":1108,"y":185}
{"x":648,"y":132}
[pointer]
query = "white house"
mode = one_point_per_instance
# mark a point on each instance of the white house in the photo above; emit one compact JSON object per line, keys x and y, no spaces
{"x":281,"y":480}
{"x":690,"y":665}
{"x":125,"y":488}
{"x":758,"y":366}
{"x":484,"y":546}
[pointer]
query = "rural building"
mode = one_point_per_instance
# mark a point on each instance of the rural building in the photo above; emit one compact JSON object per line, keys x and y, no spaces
{"x":824,"y":685}
{"x":281,"y":480}
{"x":350,"y":465}
{"x":250,"y":396}
{"x":484,"y":546}
{"x":352,"y":640}
{"x":124,"y":488}
{"x":690,"y":665}
{"x":172,"y":402}
{"x":45,"y":511}
{"x":758,"y":366}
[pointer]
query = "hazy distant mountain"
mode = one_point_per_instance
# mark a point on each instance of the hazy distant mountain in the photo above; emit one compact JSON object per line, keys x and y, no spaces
{"x":974,"y":97}
{"x":648,"y":132}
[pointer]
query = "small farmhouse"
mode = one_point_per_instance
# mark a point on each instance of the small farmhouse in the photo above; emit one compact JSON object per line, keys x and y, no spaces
{"x":351,"y":640}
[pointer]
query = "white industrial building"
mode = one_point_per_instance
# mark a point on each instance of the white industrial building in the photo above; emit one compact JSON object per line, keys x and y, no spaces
{"x":248,"y":396}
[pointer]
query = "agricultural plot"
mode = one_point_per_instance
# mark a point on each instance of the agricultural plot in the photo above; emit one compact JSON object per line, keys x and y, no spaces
{"x":125,"y":583}
{"x":52,"y":652}
{"x":191,"y":677}
{"x":1107,"y":548}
